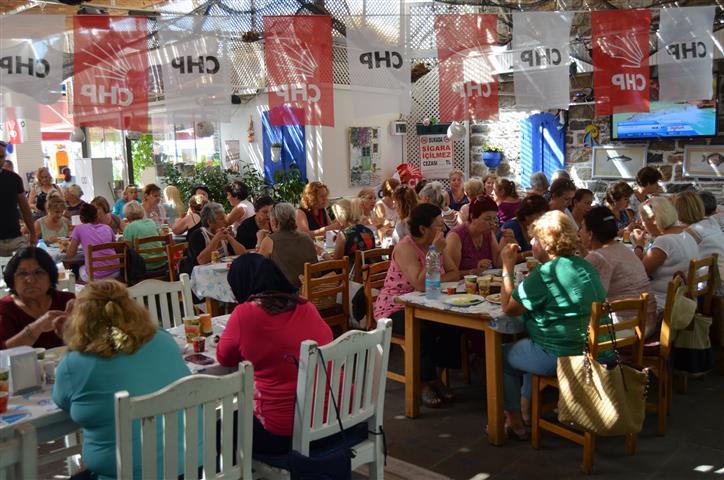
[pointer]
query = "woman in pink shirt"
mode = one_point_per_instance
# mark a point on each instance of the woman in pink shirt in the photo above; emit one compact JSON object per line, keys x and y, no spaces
{"x":91,"y":232}
{"x":267,"y":328}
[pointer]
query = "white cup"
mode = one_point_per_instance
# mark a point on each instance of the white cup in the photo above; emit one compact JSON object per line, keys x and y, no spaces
{"x":329,"y":239}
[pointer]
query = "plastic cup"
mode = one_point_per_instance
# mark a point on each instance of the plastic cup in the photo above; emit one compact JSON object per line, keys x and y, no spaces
{"x":451,"y":290}
{"x":4,"y":379}
{"x":3,"y":402}
{"x":199,"y":344}
{"x":484,"y":284}
{"x":49,"y":367}
{"x":192,"y":328}
{"x":215,"y":257}
{"x":626,"y":236}
{"x":471,"y":284}
{"x":40,"y":352}
{"x":207,"y":327}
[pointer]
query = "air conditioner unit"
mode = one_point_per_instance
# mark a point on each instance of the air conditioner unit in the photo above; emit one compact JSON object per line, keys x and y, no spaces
{"x":398,"y":127}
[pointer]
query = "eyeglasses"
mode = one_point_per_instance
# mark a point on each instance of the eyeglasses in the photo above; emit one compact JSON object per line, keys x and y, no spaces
{"x":39,"y":273}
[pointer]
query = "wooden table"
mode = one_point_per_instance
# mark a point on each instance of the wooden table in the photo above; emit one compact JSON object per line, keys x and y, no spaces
{"x":474,"y":319}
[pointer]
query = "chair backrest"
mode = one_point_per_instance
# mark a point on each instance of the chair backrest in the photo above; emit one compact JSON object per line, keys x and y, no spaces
{"x":665,"y":335}
{"x":3,"y":262}
{"x":116,"y":261}
{"x":19,"y":452}
{"x":373,"y":276}
{"x":701,"y":281}
{"x":153,"y":254}
{"x":163,"y":298}
{"x":324,"y":280}
{"x":636,"y":310}
{"x":184,"y":400}
{"x":357,"y":366}
{"x":364,"y":257}
{"x":68,"y":283}
{"x":174,"y":254}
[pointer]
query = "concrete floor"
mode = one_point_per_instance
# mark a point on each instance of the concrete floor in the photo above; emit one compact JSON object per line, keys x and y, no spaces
{"x":451,"y":440}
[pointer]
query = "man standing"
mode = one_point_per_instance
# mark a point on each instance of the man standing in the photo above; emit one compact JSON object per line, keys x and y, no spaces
{"x":12,"y":198}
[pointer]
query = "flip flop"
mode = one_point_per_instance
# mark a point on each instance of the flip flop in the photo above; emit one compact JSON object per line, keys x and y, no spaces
{"x":430,"y":397}
{"x":444,"y":392}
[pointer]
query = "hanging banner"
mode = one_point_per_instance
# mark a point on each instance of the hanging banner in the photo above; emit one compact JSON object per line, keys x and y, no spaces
{"x":110,"y":80}
{"x":31,"y":57}
{"x":621,"y":60}
{"x":468,"y":85}
{"x":436,"y":156}
{"x":196,"y":77}
{"x":686,"y":53}
{"x":298,"y":55}
{"x":541,"y":59}
{"x":377,"y":58}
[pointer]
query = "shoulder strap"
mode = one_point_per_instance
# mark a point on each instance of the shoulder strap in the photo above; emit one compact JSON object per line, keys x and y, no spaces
{"x":694,"y":234}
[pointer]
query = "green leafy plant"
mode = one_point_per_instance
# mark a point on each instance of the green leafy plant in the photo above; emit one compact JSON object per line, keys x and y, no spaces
{"x":492,"y":147}
{"x":142,"y":151}
{"x":288,"y":184}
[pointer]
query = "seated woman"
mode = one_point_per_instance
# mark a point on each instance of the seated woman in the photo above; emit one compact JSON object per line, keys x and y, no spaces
{"x":43,"y":188}
{"x":562,"y":192}
{"x":34,"y":312}
{"x":354,"y":237}
{"x":456,"y":194}
{"x":130,"y":193}
{"x":267,"y":328}
{"x":237,"y":194}
{"x":213,"y":236}
{"x":152,"y":204}
{"x":531,"y":209}
{"x":289,"y":248}
{"x":507,"y":199}
{"x":439,"y":344}
{"x":141,"y":227}
{"x":114,"y":345}
{"x":581,"y":205}
{"x":473,"y":188}
{"x":367,"y":207}
{"x":312,"y":214}
{"x":105,"y":216}
{"x":88,"y":233}
{"x":385,"y":214}
{"x":555,"y":302}
{"x":622,"y":275}
{"x":247,"y":233}
{"x":191,"y":221}
{"x":472,"y":246}
{"x":54,"y":225}
{"x":173,"y":204}
{"x":405,"y":200}
{"x":647,"y":183}
{"x":539,"y":185}
{"x":617,"y":197}
{"x":672,"y":248}
{"x":73,"y":201}
{"x":434,"y":194}
{"x":489,"y":185}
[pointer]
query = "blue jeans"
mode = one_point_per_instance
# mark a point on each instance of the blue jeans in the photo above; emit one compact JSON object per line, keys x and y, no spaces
{"x":521,"y":359}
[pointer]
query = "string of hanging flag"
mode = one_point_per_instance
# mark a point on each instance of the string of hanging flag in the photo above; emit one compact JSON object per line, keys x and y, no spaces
{"x":112,"y":58}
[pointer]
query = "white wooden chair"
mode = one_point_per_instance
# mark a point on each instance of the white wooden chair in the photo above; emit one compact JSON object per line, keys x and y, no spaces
{"x":68,"y":283}
{"x":163,"y":297}
{"x":358,"y":360}
{"x":3,"y":263}
{"x":19,"y":453}
{"x":186,"y":398}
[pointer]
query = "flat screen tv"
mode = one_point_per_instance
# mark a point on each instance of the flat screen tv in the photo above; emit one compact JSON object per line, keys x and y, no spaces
{"x":667,"y":120}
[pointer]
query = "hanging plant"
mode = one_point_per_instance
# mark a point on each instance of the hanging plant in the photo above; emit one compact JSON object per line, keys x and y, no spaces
{"x":276,"y":151}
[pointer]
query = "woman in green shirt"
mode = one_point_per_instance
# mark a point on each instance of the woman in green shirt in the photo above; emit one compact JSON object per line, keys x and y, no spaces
{"x":141,"y":227}
{"x":555,"y":302}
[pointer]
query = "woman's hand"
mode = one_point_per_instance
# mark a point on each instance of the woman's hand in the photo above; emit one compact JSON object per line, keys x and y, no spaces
{"x":47,"y":321}
{"x":439,"y":242}
{"x":485,"y":264}
{"x":261,"y":235}
{"x":507,"y":237}
{"x":509,"y":255}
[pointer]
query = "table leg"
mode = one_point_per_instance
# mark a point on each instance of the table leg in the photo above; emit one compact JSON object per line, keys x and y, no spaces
{"x":412,"y":363}
{"x":494,"y":377}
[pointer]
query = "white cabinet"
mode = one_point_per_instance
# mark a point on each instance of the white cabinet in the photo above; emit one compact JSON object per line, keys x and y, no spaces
{"x":95,"y":177}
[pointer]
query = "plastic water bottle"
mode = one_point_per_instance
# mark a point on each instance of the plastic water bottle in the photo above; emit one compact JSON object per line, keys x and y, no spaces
{"x":432,"y":273}
{"x":42,"y":245}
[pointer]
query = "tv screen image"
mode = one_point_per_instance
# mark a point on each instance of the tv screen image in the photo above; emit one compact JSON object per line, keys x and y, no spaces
{"x":665,"y":120}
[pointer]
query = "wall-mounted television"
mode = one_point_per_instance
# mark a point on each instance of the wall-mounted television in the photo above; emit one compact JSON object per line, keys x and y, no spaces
{"x":667,"y":120}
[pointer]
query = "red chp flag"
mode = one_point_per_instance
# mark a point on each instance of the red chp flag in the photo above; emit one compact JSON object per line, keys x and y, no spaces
{"x":298,"y":55}
{"x":110,"y":83}
{"x":621,"y":60}
{"x":468,"y":85}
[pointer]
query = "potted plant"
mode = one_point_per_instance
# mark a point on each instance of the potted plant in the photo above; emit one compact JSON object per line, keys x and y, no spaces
{"x":276,"y":151}
{"x":492,"y":155}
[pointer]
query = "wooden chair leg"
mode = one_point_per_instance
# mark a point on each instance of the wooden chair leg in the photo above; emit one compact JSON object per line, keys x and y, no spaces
{"x":535,"y":413}
{"x":445,"y":377}
{"x":589,"y":449}
{"x":465,"y":359}
{"x":630,"y":445}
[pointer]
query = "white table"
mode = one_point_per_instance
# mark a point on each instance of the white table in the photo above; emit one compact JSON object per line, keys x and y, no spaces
{"x":209,"y":281}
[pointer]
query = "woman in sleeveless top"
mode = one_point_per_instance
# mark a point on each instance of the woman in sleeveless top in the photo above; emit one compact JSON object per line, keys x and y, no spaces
{"x":241,"y":208}
{"x":507,"y":199}
{"x":472,"y":246}
{"x":312,"y":215}
{"x":193,"y":216}
{"x":456,"y":194}
{"x":354,"y":237}
{"x":54,"y":225}
{"x":439,"y":344}
{"x":43,"y":188}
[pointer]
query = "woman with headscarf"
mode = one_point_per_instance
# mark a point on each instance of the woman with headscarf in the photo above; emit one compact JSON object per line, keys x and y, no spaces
{"x":267,"y":328}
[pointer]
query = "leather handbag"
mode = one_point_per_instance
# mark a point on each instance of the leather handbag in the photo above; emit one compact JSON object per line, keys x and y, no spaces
{"x":607,"y":401}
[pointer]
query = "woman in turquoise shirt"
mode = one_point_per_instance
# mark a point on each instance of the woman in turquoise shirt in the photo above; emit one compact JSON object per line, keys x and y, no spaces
{"x":114,"y":346}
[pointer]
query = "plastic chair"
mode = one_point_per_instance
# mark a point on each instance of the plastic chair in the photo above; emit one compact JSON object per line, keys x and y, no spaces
{"x":19,"y":452}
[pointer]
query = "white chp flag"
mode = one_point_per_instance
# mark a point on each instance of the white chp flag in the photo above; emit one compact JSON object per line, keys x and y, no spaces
{"x":686,"y":53}
{"x":540,"y":51}
{"x":31,"y":57}
{"x":378,"y":58}
{"x":196,"y":71}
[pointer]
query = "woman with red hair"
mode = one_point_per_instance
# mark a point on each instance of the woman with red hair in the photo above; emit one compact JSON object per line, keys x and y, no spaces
{"x":472,"y":246}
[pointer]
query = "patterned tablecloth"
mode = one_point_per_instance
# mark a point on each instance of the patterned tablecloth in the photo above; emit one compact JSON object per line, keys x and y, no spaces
{"x":209,"y":281}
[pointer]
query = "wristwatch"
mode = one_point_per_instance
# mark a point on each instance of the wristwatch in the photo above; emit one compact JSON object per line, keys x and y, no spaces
{"x":507,"y":275}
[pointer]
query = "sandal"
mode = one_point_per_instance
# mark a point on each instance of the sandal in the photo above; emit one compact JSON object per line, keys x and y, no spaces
{"x":512,"y":434}
{"x":430,"y":397}
{"x":444,"y":392}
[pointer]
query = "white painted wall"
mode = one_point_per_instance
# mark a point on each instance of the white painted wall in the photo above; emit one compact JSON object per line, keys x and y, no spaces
{"x":327,"y":147}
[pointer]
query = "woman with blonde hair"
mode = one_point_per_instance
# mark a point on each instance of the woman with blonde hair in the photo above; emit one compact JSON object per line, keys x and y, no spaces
{"x":456,"y":196}
{"x":671,"y":250}
{"x":130,"y":193}
{"x":473,"y":188}
{"x":367,"y":206}
{"x":54,"y":225}
{"x":385,"y":214}
{"x":114,"y":346}
{"x":312,"y":213}
{"x":354,"y":236}
{"x":555,"y":303}
{"x":173,"y":204}
{"x":191,"y":220}
{"x":405,"y":200}
{"x":43,"y":188}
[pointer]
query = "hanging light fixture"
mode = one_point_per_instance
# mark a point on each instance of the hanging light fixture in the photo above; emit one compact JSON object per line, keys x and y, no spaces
{"x":78,"y":135}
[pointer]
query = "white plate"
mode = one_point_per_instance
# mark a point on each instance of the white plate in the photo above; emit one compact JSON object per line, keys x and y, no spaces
{"x":464,"y":300}
{"x":494,"y":271}
{"x":494,"y":298}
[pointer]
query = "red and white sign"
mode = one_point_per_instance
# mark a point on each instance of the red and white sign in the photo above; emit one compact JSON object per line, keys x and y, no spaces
{"x":436,"y":156}
{"x":468,"y":85}
{"x":621,"y":60}
{"x":298,"y":55}
{"x":110,"y":81}
{"x":15,"y":131}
